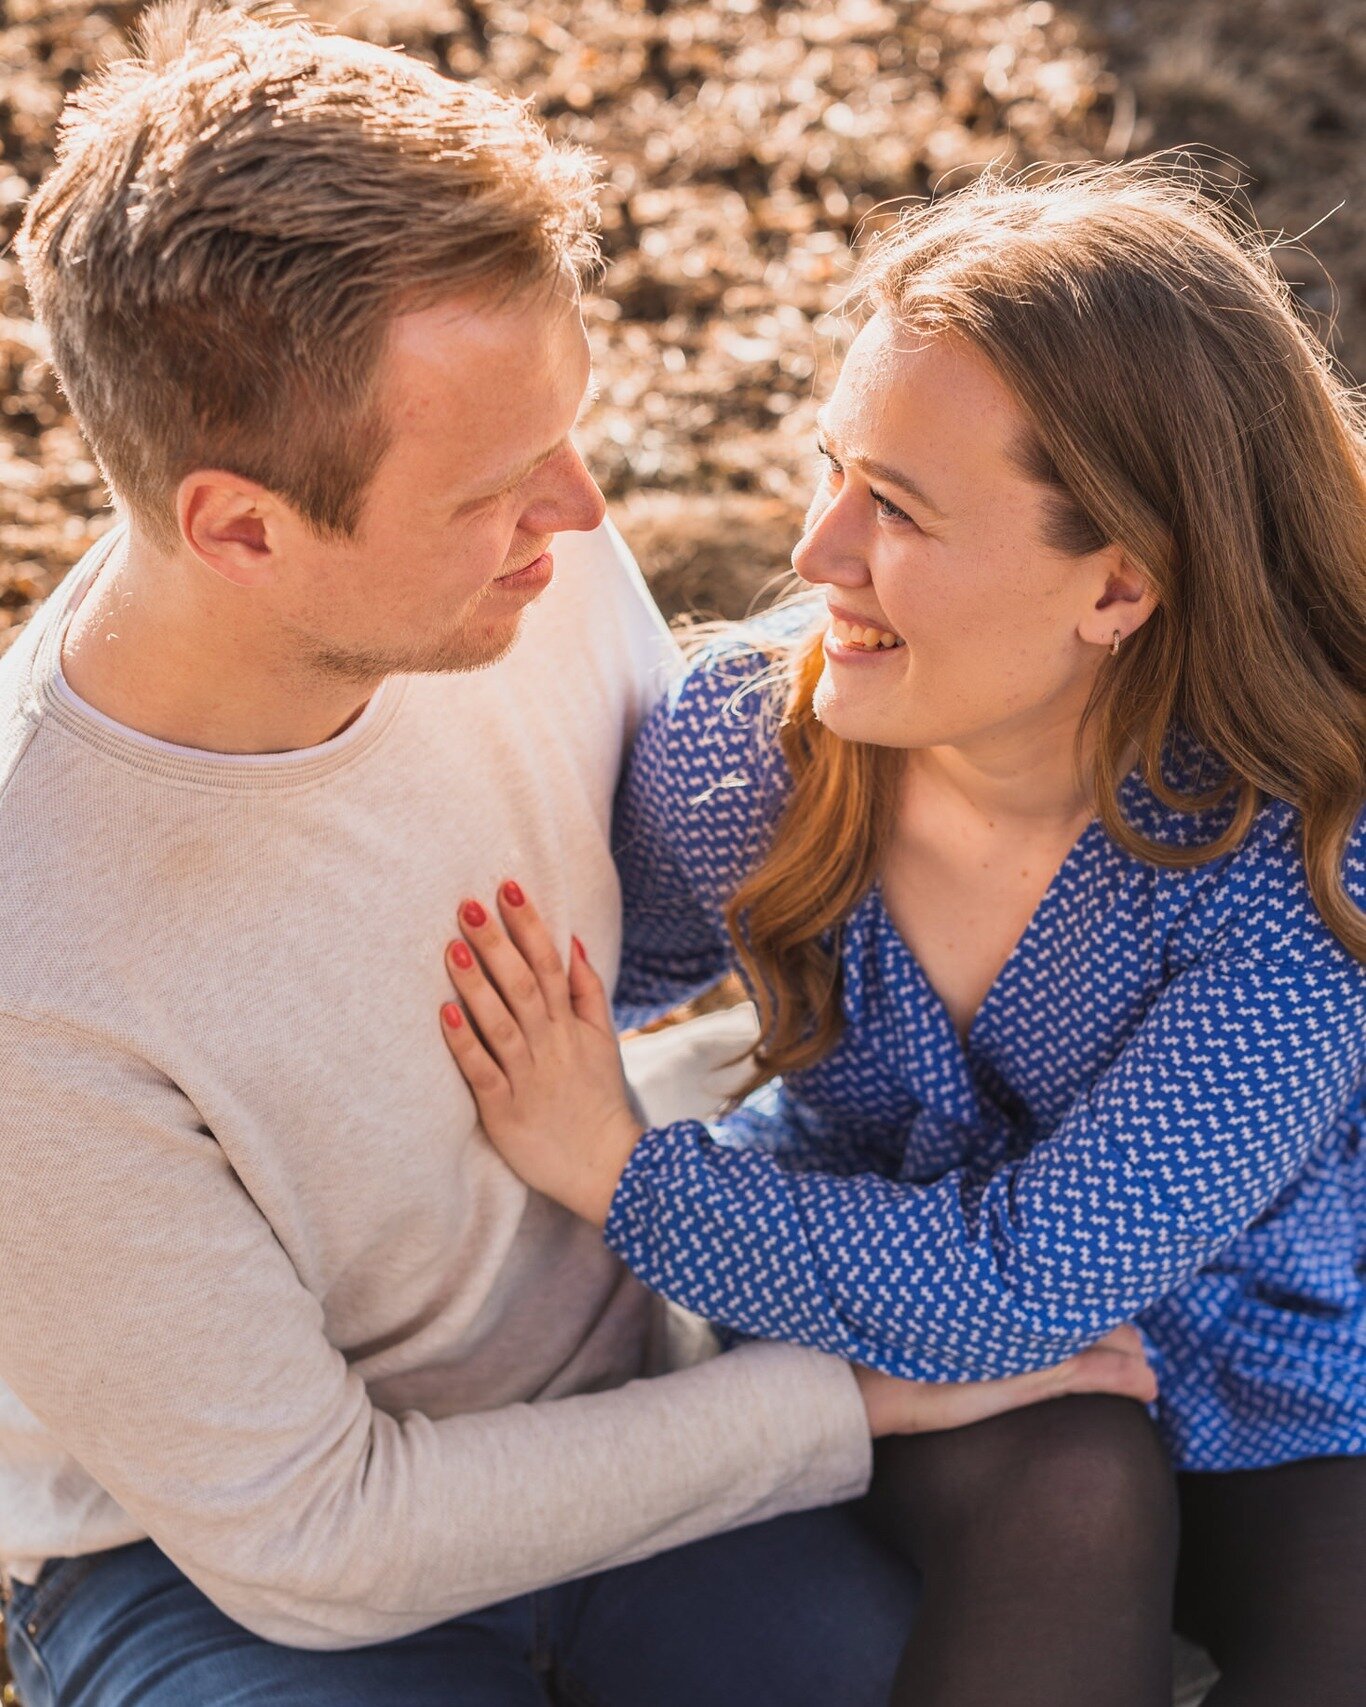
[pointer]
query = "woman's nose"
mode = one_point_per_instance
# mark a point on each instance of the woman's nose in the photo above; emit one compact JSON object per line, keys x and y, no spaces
{"x":830,"y":552}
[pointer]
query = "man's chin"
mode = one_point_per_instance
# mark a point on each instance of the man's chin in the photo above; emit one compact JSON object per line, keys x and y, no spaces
{"x":454,"y":654}
{"x":463,"y":652}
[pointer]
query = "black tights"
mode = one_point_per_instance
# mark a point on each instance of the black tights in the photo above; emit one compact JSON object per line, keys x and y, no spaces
{"x":1047,"y":1544}
{"x":1272,"y":1580}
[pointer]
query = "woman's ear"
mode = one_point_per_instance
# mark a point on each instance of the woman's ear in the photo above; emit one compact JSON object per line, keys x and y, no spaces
{"x":1123,"y":598}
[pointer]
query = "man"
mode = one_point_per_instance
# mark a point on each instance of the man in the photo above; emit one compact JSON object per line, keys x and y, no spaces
{"x":268,"y":1298}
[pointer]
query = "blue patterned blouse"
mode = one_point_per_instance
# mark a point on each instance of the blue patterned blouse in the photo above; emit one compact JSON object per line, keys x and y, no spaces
{"x":1159,"y":1114}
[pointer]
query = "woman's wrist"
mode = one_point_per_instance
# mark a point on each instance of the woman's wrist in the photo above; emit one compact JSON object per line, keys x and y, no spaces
{"x":590,"y":1188}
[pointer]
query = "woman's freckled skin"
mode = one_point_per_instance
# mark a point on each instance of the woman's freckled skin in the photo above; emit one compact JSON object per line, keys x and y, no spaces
{"x":995,"y":623}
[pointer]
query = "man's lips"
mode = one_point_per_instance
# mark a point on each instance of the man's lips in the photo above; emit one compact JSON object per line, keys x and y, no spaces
{"x":537,"y":573}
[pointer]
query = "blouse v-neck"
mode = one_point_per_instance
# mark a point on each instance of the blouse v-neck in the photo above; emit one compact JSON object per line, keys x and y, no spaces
{"x":998,"y":990}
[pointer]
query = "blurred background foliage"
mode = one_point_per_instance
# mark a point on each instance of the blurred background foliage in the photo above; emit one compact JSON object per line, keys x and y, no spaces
{"x":743,"y":145}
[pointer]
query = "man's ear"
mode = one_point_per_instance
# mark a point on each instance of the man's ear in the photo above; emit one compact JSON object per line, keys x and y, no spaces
{"x":230,"y":524}
{"x":1123,"y":598}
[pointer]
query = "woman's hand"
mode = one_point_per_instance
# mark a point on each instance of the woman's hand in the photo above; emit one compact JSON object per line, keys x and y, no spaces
{"x":539,"y":1051}
{"x":1115,"y":1364}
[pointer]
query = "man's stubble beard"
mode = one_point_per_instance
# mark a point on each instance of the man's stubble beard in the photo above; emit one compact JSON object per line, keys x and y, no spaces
{"x":459,"y":653}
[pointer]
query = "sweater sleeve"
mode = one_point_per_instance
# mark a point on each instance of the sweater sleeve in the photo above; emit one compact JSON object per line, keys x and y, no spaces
{"x":1244,"y":1064}
{"x":153,"y":1321}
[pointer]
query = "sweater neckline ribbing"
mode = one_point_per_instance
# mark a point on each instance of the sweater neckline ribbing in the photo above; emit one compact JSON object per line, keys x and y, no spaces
{"x":146,"y":753}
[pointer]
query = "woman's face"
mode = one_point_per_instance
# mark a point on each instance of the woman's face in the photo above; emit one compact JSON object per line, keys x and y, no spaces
{"x":926,"y":530}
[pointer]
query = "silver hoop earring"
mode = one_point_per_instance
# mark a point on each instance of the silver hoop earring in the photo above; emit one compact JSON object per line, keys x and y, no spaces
{"x":1114,"y":645}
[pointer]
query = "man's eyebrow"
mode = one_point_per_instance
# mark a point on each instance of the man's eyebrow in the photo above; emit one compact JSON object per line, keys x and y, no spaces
{"x":525,"y":469}
{"x":892,"y":476}
{"x":521,"y":472}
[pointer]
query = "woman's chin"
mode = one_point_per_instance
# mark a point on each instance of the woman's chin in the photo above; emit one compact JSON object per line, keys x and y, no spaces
{"x":855,"y":716}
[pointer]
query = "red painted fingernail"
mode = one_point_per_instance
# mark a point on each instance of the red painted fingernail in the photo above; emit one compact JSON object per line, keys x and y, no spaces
{"x":473,"y":914}
{"x":452,"y":1017}
{"x":461,"y":956}
{"x":579,"y":949}
{"x":512,"y":894}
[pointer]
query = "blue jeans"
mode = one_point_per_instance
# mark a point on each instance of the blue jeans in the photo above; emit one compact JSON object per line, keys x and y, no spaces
{"x":803,"y":1611}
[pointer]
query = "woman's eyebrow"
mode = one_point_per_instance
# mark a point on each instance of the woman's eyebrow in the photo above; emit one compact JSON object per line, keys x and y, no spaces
{"x":891,"y":476}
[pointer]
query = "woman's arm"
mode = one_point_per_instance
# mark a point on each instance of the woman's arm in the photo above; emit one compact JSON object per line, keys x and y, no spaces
{"x":673,"y":945}
{"x":697,"y":792}
{"x":538,"y":1050}
{"x":778,"y":1122}
{"x":1244,"y":1064}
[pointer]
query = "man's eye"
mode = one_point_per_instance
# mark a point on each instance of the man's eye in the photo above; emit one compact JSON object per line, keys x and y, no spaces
{"x":833,"y":466}
{"x":887,"y":509}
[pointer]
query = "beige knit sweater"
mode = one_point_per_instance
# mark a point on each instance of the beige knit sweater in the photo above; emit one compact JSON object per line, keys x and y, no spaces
{"x":266,"y":1293}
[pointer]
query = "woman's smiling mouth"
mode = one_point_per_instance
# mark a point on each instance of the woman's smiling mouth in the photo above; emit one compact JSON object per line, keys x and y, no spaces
{"x":847,"y":635}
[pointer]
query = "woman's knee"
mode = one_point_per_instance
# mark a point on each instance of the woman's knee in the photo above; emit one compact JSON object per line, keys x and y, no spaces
{"x":1273,"y":1570}
{"x":1085,"y":1474}
{"x":1097,"y":1459}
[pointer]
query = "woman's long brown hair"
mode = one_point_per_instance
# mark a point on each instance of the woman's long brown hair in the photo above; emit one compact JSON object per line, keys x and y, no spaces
{"x":1181,"y":410}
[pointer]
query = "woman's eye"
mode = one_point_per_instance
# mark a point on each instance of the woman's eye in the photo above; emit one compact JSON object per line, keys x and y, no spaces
{"x":886,"y":508}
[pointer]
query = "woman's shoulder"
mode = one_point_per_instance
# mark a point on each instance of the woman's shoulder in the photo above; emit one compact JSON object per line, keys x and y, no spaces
{"x":1254,"y":895}
{"x":723,"y":659}
{"x":1260,"y":897}
{"x":708,"y":771}
{"x":724,"y":705}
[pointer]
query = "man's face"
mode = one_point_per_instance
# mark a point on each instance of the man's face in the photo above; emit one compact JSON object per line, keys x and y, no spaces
{"x":478,"y":476}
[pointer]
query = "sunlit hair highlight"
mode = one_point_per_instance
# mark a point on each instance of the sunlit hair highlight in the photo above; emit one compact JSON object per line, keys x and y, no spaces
{"x":1180,"y":409}
{"x":237,"y":212}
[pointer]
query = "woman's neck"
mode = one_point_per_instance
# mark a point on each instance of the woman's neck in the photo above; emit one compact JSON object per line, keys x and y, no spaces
{"x":1029,"y":773}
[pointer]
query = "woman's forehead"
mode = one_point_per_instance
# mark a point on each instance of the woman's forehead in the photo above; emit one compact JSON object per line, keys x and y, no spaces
{"x":899,"y":389}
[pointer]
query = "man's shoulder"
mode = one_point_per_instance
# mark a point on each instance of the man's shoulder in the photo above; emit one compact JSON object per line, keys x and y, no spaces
{"x":36,"y":879}
{"x":71,"y":845}
{"x":594,"y":647}
{"x":600,"y":602}
{"x":25,"y":663}
{"x":20,"y":709}
{"x":33,"y":762}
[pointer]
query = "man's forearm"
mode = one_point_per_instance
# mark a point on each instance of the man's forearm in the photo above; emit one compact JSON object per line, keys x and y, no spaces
{"x":471,"y":1510}
{"x":154,"y":1325}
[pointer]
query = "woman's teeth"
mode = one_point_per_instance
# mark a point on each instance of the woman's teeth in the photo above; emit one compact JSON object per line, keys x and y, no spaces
{"x":864,"y":639}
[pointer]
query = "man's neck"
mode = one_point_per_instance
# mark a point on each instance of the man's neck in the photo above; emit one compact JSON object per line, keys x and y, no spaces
{"x":172,"y":650}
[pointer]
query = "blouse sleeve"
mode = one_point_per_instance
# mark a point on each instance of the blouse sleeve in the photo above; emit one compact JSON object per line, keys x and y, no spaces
{"x":1245,"y":1063}
{"x":697,"y":790}
{"x":778,"y":1122}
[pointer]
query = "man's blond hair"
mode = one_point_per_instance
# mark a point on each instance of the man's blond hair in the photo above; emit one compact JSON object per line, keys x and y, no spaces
{"x":234,"y":218}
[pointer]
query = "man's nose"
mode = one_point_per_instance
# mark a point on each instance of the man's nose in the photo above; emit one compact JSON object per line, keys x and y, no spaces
{"x":571,"y":503}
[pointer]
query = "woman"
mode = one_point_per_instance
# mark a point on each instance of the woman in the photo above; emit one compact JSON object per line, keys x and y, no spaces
{"x":1039,"y":843}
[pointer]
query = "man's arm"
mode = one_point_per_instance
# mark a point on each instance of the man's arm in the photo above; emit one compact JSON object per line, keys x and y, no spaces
{"x":151,"y":1319}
